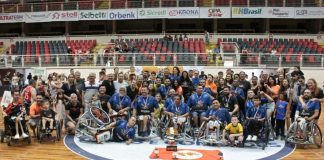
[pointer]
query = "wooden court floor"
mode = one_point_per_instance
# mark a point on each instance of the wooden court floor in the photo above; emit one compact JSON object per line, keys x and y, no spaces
{"x":57,"y":151}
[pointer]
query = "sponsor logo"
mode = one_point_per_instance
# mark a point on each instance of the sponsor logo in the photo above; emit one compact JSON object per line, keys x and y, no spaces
{"x":120,"y":15}
{"x":65,"y":15}
{"x":247,"y":11}
{"x":12,"y":18}
{"x":91,"y":15}
{"x":279,"y":13}
{"x":215,"y":12}
{"x":184,"y":12}
{"x":41,"y":15}
{"x":301,"y":12}
{"x":152,"y":13}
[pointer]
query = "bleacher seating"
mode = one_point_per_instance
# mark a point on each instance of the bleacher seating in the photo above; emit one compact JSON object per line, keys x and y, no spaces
{"x":289,"y":49}
{"x":164,"y":50}
{"x":45,"y":49}
{"x":275,"y":3}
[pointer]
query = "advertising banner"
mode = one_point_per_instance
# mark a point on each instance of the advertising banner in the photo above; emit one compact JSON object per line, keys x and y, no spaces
{"x":121,"y":14}
{"x":34,"y":17}
{"x":309,"y":12}
{"x":248,"y":12}
{"x":279,"y":12}
{"x":152,"y":13}
{"x":220,"y":12}
{"x":93,"y":15}
{"x":65,"y":16}
{"x":11,"y":17}
{"x":183,"y":12}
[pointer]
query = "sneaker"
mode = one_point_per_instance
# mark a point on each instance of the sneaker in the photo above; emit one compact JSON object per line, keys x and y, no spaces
{"x":249,"y":138}
{"x":254,"y":138}
{"x":24,"y":135}
{"x":16,"y":136}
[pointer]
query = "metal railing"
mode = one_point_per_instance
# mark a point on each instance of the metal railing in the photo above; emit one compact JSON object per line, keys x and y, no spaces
{"x":164,"y":59}
{"x":120,"y":4}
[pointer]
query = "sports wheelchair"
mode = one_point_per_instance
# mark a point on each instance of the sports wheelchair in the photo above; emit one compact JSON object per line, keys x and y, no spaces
{"x":183,"y":134}
{"x":152,"y":132}
{"x":46,"y":135}
{"x":90,"y":122}
{"x":210,"y":132}
{"x":10,"y":131}
{"x":263,"y":129}
{"x":308,"y":134}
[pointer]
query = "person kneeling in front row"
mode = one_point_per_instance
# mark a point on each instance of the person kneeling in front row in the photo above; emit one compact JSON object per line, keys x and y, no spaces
{"x":234,"y":131}
{"x":121,"y":131}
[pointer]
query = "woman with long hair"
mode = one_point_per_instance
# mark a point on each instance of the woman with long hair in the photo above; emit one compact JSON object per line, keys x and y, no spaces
{"x":221,"y":85}
{"x":175,"y":74}
{"x":177,"y":87}
{"x":70,"y":87}
{"x":285,"y":88}
{"x":229,"y":80}
{"x":272,"y":88}
{"x":186,"y":85}
{"x":151,"y":89}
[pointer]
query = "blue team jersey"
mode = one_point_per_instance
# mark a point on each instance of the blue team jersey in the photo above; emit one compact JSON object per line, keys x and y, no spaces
{"x":207,"y":90}
{"x":172,"y":77}
{"x":168,"y":101}
{"x":123,"y":131}
{"x":281,"y":109}
{"x":204,"y":98}
{"x":248,"y":105}
{"x":178,"y":110}
{"x":117,"y":100}
{"x":311,"y":105}
{"x":239,"y":92}
{"x":145,"y":105}
{"x":163,"y":90}
{"x":257,"y":112}
{"x":222,"y":114}
{"x":195,"y":81}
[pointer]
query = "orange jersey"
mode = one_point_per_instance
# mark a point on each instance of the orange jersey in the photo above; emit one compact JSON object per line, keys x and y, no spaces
{"x":212,"y":86}
{"x":35,"y":109}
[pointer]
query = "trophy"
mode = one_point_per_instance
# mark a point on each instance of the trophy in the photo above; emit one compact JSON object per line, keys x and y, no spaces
{"x":172,"y":132}
{"x":156,"y":153}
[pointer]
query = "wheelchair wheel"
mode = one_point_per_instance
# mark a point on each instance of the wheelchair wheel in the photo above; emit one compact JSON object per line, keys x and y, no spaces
{"x":38,"y":132}
{"x":291,"y":133}
{"x":317,"y":135}
{"x":267,"y":131}
{"x":2,"y":135}
{"x":58,"y":130}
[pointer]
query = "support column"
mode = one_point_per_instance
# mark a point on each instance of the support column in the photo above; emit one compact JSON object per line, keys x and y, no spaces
{"x":267,"y":25}
{"x":320,"y":25}
{"x":114,"y":27}
{"x":24,"y":29}
{"x":163,"y":25}
{"x":67,"y":28}
{"x":215,"y":25}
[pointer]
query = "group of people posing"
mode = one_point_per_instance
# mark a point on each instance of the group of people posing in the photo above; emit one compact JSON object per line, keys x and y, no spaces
{"x":225,"y":99}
